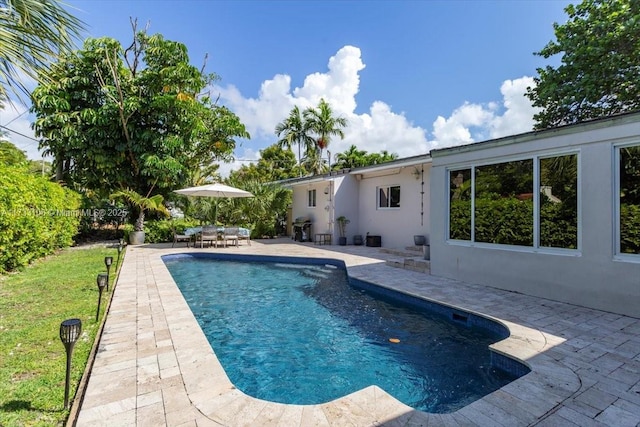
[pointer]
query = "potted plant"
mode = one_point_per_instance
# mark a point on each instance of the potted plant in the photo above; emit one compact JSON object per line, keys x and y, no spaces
{"x":342,"y":229}
{"x":143,"y":204}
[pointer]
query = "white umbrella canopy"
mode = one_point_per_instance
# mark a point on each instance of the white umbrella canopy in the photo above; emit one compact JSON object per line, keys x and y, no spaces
{"x":214,"y":190}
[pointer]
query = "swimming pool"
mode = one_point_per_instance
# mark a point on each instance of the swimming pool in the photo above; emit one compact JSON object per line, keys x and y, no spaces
{"x":293,"y":333}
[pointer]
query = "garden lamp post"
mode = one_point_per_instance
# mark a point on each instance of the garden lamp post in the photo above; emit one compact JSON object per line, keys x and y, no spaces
{"x":120,"y":247}
{"x":108,"y":260}
{"x":69,"y":333}
{"x":102,"y":280}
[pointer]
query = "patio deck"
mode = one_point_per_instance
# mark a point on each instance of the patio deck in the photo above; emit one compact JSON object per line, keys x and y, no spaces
{"x":155,"y":367}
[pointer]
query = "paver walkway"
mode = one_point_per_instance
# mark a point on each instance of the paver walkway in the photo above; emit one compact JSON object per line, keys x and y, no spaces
{"x":154,"y":366}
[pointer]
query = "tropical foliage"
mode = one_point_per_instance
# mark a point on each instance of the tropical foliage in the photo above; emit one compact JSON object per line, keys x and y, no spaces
{"x":294,"y":130}
{"x":134,"y":118}
{"x":599,"y":72}
{"x":313,"y":130}
{"x":36,"y":217}
{"x":322,"y":122}
{"x":32,"y":33}
{"x":354,"y":158}
{"x":142,"y":204}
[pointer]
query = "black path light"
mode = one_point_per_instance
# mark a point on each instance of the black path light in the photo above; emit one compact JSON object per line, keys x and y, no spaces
{"x":102,"y":280}
{"x":108,"y":260}
{"x":120,"y":247}
{"x":70,"y":331}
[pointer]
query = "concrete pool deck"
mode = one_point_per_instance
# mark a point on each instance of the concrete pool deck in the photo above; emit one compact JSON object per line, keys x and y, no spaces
{"x":155,"y":367}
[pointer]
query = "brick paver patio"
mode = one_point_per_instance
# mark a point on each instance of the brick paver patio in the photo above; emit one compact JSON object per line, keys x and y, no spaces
{"x":154,"y":366}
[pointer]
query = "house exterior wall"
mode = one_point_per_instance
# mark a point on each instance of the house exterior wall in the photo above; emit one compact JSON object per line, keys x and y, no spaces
{"x":347,"y":193}
{"x":396,"y":226}
{"x":593,"y":275}
{"x":300,"y":206}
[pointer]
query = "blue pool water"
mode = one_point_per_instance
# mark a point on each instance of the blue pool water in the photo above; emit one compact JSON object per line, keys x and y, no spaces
{"x":301,"y":334}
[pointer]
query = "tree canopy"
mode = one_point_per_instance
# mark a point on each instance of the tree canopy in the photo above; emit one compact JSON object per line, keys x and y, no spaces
{"x":131,"y":118}
{"x":32,"y":32}
{"x":599,"y":72}
{"x":312,"y":129}
{"x":354,"y":158}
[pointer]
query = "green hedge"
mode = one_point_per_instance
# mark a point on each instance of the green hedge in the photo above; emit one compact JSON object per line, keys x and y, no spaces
{"x":36,"y":217}
{"x":510,"y":221}
{"x":630,"y":229}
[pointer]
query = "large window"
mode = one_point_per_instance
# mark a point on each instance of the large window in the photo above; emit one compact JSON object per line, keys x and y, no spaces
{"x":559,"y":201}
{"x":629,"y":199}
{"x":496,"y":203}
{"x":503,"y":210}
{"x":389,"y":197}
{"x":311,"y":195}
{"x":460,"y":204}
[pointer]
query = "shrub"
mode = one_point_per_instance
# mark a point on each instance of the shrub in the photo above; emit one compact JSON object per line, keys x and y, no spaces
{"x":36,"y":217}
{"x":629,"y":228}
{"x":158,"y":231}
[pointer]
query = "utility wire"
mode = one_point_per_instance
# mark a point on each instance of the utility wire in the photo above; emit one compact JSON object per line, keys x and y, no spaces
{"x":18,"y":133}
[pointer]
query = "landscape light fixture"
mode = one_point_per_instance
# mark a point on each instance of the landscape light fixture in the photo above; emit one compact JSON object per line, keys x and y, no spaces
{"x":70,"y":331}
{"x":102,"y":280}
{"x":120,"y":248}
{"x":108,"y":260}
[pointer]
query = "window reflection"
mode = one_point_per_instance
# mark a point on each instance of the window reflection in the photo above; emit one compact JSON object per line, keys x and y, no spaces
{"x":559,"y":202}
{"x":504,"y":203}
{"x":460,"y":204}
{"x":630,"y":200}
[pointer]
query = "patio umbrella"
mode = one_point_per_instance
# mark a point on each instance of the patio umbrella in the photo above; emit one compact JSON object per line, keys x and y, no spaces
{"x":215,"y":190}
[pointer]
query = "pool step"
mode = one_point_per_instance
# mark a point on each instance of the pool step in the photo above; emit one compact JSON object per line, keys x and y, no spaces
{"x":409,"y":258}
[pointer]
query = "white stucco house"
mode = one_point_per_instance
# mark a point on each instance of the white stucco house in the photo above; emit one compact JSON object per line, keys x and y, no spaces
{"x":546,"y":213}
{"x":390,"y":200}
{"x":595,"y":265}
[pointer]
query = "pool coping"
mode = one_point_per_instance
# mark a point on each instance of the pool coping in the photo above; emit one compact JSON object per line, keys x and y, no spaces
{"x":172,"y":376}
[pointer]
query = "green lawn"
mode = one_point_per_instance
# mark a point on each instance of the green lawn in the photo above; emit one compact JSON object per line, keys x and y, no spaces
{"x":33,"y":303}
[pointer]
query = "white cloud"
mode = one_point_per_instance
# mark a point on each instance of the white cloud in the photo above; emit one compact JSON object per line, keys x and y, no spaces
{"x":380,"y":128}
{"x":476,"y":122}
{"x":518,"y":115}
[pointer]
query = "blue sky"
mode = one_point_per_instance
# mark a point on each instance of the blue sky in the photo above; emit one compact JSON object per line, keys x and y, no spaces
{"x":408,"y":75}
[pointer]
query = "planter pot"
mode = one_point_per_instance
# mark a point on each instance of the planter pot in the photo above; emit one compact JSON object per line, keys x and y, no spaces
{"x":357,"y":240}
{"x":426,"y":252}
{"x":374,"y":241}
{"x":136,"y":237}
{"x":419,"y":240}
{"x":342,"y":241}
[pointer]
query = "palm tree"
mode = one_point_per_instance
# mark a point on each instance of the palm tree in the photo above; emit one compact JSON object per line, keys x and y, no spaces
{"x":352,"y":158}
{"x":322,"y":122}
{"x":32,"y":32}
{"x":142,"y":204}
{"x":294,"y":130}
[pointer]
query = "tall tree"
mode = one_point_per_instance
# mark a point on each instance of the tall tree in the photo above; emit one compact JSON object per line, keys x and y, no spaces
{"x":599,"y":73}
{"x":354,"y":158}
{"x":322,"y":122}
{"x":32,"y":33}
{"x":131,"y":118}
{"x":294,"y":130}
{"x":351,"y":158}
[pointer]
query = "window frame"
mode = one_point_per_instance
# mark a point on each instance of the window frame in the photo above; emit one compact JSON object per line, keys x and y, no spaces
{"x":536,"y":207}
{"x":312,"y":200}
{"x":617,"y":230}
{"x":388,"y":188}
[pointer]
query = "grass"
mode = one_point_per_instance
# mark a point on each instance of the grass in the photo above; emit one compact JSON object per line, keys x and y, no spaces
{"x":33,"y":303}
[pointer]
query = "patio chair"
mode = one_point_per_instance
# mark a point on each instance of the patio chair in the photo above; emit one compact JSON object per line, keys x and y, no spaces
{"x":210,"y":234}
{"x":230,"y":234}
{"x":188,"y":236}
{"x":244,"y":234}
